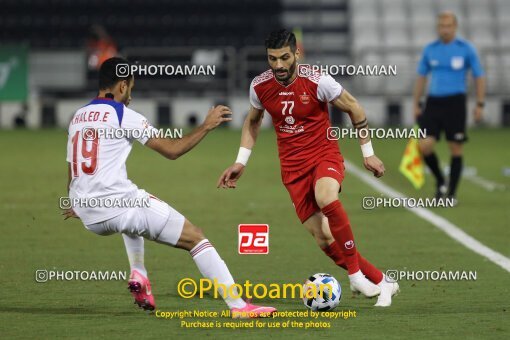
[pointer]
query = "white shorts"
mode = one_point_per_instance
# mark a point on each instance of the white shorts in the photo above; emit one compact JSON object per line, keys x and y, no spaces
{"x":159,"y":222}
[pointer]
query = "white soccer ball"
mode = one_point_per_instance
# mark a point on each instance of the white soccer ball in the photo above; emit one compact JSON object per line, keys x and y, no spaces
{"x":321,"y":292}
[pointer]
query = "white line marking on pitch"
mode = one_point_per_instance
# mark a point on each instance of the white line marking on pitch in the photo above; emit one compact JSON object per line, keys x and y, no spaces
{"x":485,"y":183}
{"x":470,"y":173}
{"x":449,"y":228}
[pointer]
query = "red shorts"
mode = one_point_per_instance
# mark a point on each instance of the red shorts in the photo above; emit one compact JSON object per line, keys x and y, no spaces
{"x":301,"y":185}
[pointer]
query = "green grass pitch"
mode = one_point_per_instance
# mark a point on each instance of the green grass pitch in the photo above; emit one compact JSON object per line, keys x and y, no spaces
{"x":34,"y":236}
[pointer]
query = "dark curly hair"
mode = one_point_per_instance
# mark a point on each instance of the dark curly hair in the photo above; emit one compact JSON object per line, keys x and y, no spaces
{"x":108,"y":73}
{"x":281,"y":38}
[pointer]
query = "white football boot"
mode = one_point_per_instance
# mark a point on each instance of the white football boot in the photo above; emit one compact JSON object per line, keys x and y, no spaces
{"x":359,"y":283}
{"x":389,"y":288}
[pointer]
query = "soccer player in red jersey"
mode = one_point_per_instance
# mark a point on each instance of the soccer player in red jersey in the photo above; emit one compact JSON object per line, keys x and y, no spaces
{"x":312,"y":166}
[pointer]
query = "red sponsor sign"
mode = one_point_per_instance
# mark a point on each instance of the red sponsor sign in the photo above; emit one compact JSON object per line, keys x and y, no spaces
{"x":253,"y":239}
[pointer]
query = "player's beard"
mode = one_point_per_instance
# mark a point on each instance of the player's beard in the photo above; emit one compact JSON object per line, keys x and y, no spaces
{"x":288,"y":75}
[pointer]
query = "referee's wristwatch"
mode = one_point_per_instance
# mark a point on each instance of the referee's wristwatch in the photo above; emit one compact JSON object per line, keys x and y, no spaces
{"x":480,"y":104}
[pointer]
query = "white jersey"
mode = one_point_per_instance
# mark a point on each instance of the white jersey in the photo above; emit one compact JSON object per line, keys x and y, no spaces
{"x":97,"y":149}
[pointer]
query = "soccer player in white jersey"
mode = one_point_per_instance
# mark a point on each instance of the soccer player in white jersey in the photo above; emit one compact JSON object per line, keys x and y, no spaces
{"x":97,"y":171}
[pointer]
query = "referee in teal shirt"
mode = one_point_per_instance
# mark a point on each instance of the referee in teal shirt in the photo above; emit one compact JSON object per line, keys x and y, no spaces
{"x":448,"y":60}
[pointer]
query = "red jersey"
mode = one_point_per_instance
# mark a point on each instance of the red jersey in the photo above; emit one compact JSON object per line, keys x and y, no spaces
{"x":300,"y":115}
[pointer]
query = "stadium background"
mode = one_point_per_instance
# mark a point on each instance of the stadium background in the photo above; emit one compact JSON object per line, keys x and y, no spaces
{"x":48,"y":45}
{"x":52,"y":44}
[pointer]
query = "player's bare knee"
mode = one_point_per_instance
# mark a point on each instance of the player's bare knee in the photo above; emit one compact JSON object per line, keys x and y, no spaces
{"x":326,"y":198}
{"x":326,"y":191}
{"x":190,"y":237}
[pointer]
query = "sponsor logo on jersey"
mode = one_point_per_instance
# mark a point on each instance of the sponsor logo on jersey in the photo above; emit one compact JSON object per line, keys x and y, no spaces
{"x":292,"y":128}
{"x":286,"y":93}
{"x":289,"y":120}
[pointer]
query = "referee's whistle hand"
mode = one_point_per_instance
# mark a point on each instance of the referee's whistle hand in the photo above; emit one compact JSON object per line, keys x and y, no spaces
{"x":374,"y":165}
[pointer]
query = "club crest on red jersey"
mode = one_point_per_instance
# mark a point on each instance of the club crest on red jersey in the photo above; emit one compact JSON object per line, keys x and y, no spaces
{"x":304,"y":98}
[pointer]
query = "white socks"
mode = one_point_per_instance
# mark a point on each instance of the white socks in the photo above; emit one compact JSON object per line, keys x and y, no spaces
{"x":208,"y":261}
{"x":212,"y":267}
{"x":356,"y":276}
{"x":135,"y":252}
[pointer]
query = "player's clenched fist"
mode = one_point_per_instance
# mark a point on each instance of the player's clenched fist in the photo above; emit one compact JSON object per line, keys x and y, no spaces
{"x":229,"y":177}
{"x":216,"y":116}
{"x":375,"y":165}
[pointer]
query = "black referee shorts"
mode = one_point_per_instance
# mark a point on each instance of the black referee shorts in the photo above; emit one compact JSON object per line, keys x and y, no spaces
{"x":445,"y":113}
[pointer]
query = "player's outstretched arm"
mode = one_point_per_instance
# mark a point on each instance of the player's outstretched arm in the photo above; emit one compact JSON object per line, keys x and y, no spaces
{"x":174,"y":148}
{"x":251,"y":127}
{"x":347,"y":103}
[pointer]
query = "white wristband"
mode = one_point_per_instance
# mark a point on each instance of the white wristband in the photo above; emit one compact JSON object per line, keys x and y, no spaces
{"x":367,"y":149}
{"x":243,"y":156}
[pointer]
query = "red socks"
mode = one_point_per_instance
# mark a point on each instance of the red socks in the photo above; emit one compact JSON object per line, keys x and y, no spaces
{"x":342,"y":233}
{"x":371,"y":272}
{"x":335,"y":253}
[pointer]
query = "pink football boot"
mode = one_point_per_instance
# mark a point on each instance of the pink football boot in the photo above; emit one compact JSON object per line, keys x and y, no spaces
{"x":140,"y":288}
{"x":252,"y":311}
